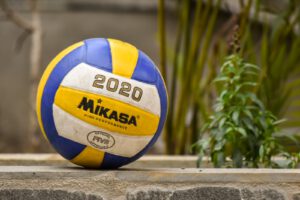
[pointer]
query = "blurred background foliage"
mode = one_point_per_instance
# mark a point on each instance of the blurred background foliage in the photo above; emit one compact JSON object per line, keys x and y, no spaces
{"x":269,"y":38}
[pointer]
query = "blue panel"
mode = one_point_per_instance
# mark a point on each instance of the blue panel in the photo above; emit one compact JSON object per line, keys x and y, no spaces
{"x":65,"y":147}
{"x":145,"y":70}
{"x":98,"y":53}
{"x":113,"y":161}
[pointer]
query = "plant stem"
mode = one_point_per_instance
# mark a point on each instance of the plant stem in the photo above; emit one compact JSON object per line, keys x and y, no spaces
{"x":169,"y":139}
{"x":162,"y":38}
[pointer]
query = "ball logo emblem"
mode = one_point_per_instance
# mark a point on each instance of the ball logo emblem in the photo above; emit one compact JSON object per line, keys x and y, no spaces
{"x":101,"y":140}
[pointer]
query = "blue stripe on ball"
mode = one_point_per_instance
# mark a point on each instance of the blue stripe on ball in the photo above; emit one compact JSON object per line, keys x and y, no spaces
{"x":98,"y":53}
{"x":65,"y":147}
{"x":145,"y":70}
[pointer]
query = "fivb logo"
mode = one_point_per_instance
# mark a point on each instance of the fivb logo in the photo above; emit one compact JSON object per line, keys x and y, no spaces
{"x":101,"y":140}
{"x":89,"y":105}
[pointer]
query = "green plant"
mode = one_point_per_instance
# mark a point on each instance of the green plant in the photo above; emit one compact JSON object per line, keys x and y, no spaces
{"x":241,"y":128}
{"x":190,"y":62}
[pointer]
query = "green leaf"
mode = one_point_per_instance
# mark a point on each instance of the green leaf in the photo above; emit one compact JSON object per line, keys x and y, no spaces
{"x":236,"y":77}
{"x":204,"y":127}
{"x":283,"y":163}
{"x":242,"y":131}
{"x":251,"y":66}
{"x":222,"y":79}
{"x":263,"y":122}
{"x":223,"y":93}
{"x":230,"y":69}
{"x":249,"y":124}
{"x":261,"y":151}
{"x":242,"y":97}
{"x":219,"y":107}
{"x":279,"y":121}
{"x":250,"y":73}
{"x":226,"y":64}
{"x":248,"y":114}
{"x":228,"y":130}
{"x":215,"y":120}
{"x":248,"y":84}
{"x":254,"y":98}
{"x":222,"y":122}
{"x":219,"y":145}
{"x":235,"y":117}
{"x":204,"y":143}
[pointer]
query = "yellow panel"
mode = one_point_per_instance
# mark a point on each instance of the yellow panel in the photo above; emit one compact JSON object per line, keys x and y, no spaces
{"x":124,"y":57}
{"x":89,"y":157}
{"x":44,"y":79}
{"x":106,"y":113}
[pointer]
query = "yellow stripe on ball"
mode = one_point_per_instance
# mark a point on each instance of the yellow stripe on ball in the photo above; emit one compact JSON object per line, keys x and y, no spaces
{"x":124,"y":58}
{"x":107,"y":113}
{"x":89,"y":157}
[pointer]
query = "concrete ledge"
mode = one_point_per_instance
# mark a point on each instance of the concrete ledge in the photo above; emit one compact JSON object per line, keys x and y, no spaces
{"x":57,"y":160}
{"x":156,"y":175}
{"x":132,"y":183}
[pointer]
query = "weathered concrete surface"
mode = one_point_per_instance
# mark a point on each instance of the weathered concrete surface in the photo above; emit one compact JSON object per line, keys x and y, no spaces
{"x":261,"y":194}
{"x":296,"y":196}
{"x":62,"y":180}
{"x":148,"y":183}
{"x":198,"y":193}
{"x":204,"y":193}
{"x":45,"y":194}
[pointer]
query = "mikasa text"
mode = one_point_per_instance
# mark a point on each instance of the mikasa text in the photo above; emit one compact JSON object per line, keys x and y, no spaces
{"x":122,"y":87}
{"x":91,"y":106}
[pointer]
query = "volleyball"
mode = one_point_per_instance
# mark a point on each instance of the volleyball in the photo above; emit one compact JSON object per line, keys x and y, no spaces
{"x":101,"y":103}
